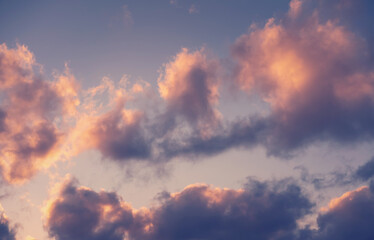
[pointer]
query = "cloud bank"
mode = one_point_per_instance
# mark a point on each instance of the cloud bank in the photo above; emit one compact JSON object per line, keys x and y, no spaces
{"x":262,"y":210}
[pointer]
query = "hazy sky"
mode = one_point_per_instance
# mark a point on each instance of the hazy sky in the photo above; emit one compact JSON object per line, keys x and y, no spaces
{"x":187,"y":119}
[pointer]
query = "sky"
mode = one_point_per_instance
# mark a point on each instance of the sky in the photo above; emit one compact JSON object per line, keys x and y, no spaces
{"x":186,"y":119}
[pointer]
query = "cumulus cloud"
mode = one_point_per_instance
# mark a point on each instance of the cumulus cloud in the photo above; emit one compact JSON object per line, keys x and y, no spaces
{"x":80,"y":213}
{"x":262,"y":210}
{"x":348,"y":217}
{"x":118,"y":134}
{"x":189,"y":85}
{"x":106,"y":124}
{"x":315,"y":76}
{"x":30,"y":137}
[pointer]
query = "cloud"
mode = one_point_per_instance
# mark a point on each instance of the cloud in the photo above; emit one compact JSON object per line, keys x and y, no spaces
{"x":340,"y":177}
{"x":6,"y":231}
{"x":193,"y":9}
{"x":314,"y":72}
{"x":118,"y":134}
{"x":173,"y":2}
{"x":81,"y":213}
{"x":348,"y":217}
{"x":315,"y":76}
{"x":31,"y":136}
{"x":262,"y":210}
{"x":189,"y":85}
{"x":366,"y":171}
{"x":127,"y":16}
{"x":106,"y":124}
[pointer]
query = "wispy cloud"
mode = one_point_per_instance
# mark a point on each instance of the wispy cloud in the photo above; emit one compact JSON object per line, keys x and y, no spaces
{"x":127,"y":16}
{"x":193,"y":9}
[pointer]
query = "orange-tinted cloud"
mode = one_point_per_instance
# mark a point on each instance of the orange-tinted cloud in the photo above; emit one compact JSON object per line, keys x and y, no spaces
{"x":348,"y":217}
{"x":32,"y":128}
{"x":315,"y":73}
{"x":290,"y":60}
{"x":189,"y":85}
{"x":104,"y":123}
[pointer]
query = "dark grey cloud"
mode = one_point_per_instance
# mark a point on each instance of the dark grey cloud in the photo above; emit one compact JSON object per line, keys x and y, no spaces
{"x":349,"y":217}
{"x":366,"y":171}
{"x":81,"y":213}
{"x":6,"y":231}
{"x":261,"y":210}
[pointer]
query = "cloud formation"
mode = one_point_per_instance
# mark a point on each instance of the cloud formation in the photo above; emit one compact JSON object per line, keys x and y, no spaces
{"x":262,"y":210}
{"x":348,"y":217}
{"x":314,"y":72}
{"x":310,"y":66}
{"x":189,"y":86}
{"x":30,"y":132}
{"x":105,"y":122}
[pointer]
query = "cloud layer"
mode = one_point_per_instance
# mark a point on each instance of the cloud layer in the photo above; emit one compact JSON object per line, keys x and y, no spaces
{"x":314,"y":74}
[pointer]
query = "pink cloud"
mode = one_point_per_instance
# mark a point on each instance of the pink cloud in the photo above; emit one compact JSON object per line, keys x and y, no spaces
{"x":189,"y":85}
{"x":30,"y":138}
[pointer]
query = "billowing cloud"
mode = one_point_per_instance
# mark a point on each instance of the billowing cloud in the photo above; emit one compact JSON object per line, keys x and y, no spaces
{"x":31,"y":111}
{"x":259,"y":211}
{"x":315,"y":76}
{"x":104,"y":123}
{"x":189,"y":85}
{"x":313,"y":71}
{"x":262,"y":210}
{"x":118,"y":134}
{"x":80,"y":213}
{"x":348,"y":217}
